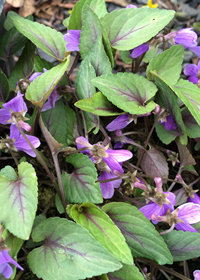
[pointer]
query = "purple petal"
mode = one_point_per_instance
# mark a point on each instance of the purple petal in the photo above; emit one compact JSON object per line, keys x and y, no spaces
{"x":81,"y":142}
{"x":120,"y":155}
{"x":14,"y":132}
{"x":196,"y":275}
{"x":196,"y":50}
{"x":119,"y":123}
{"x":189,"y":212}
{"x":185,"y":227}
{"x":186,"y":37}
{"x":118,"y":145}
{"x":107,"y":188}
{"x":5,"y":115}
{"x":131,"y":6}
{"x":150,"y":208}
{"x":169,"y":124}
{"x":195,"y":200}
{"x":22,"y":145}
{"x":16,"y":104}
{"x":51,"y":101}
{"x":113,"y":163}
{"x":34,"y":76}
{"x":72,"y":38}
{"x":6,"y":270}
{"x":172,"y":198}
{"x":136,"y":52}
{"x":191,"y":70}
{"x":5,"y":258}
{"x":193,"y":79}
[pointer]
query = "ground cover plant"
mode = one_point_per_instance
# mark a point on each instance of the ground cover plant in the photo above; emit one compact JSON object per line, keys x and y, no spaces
{"x":101,"y":175}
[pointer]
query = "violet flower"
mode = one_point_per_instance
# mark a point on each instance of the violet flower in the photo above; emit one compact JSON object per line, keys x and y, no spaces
{"x":72,"y":38}
{"x":195,"y":200}
{"x":15,"y":108}
{"x":138,"y":51}
{"x":20,"y":143}
{"x":107,"y":161}
{"x":107,"y":188}
{"x":186,"y":37}
{"x":189,"y":213}
{"x":192,"y":71}
{"x":131,"y":6}
{"x":120,"y":122}
{"x":5,"y":268}
{"x":53,"y":97}
{"x":169,"y":124}
{"x":196,"y":275}
{"x":159,"y":203}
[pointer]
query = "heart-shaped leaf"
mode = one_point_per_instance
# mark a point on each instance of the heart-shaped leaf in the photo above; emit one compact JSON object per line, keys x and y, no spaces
{"x":140,"y":234}
{"x":67,"y":256}
{"x":103,"y":229}
{"x":129,"y":28}
{"x":49,"y":40}
{"x":19,"y":197}
{"x":129,"y":92}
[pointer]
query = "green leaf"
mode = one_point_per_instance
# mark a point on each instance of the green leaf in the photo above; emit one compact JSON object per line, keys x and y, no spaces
{"x":168,"y":65}
{"x":127,"y":272}
{"x":54,"y":120}
{"x":68,"y":252}
{"x":24,"y":66}
{"x":76,"y":17}
{"x":8,"y":23}
{"x":72,"y":129}
{"x":20,"y":196}
{"x":85,"y":89}
{"x":90,"y":30}
{"x":129,"y":92}
{"x":9,"y":173}
{"x":49,"y":40}
{"x":183,"y":245}
{"x":125,"y":56}
{"x":149,"y":55}
{"x":140,"y":234}
{"x":191,"y":126}
{"x":98,"y":58}
{"x":129,"y":28}
{"x":99,"y":7}
{"x":4,"y":87}
{"x":81,"y":185}
{"x":98,"y":105}
{"x":103,"y":229}
{"x":40,"y":89}
{"x":11,"y":42}
{"x":41,"y":63}
{"x":189,"y":93}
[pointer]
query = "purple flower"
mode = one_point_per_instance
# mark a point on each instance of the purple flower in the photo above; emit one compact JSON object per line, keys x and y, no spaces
{"x":131,"y":6}
{"x":196,"y":275}
{"x":136,"y":52}
{"x":20,"y":143}
{"x":107,"y":188}
{"x":186,"y":37}
{"x":53,"y":97}
{"x":160,"y":201}
{"x":15,"y":108}
{"x":195,"y":200}
{"x":169,"y":124}
{"x":192,"y":71}
{"x":120,"y":122}
{"x":5,"y":268}
{"x":72,"y":38}
{"x":107,"y":162}
{"x":189,"y":213}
